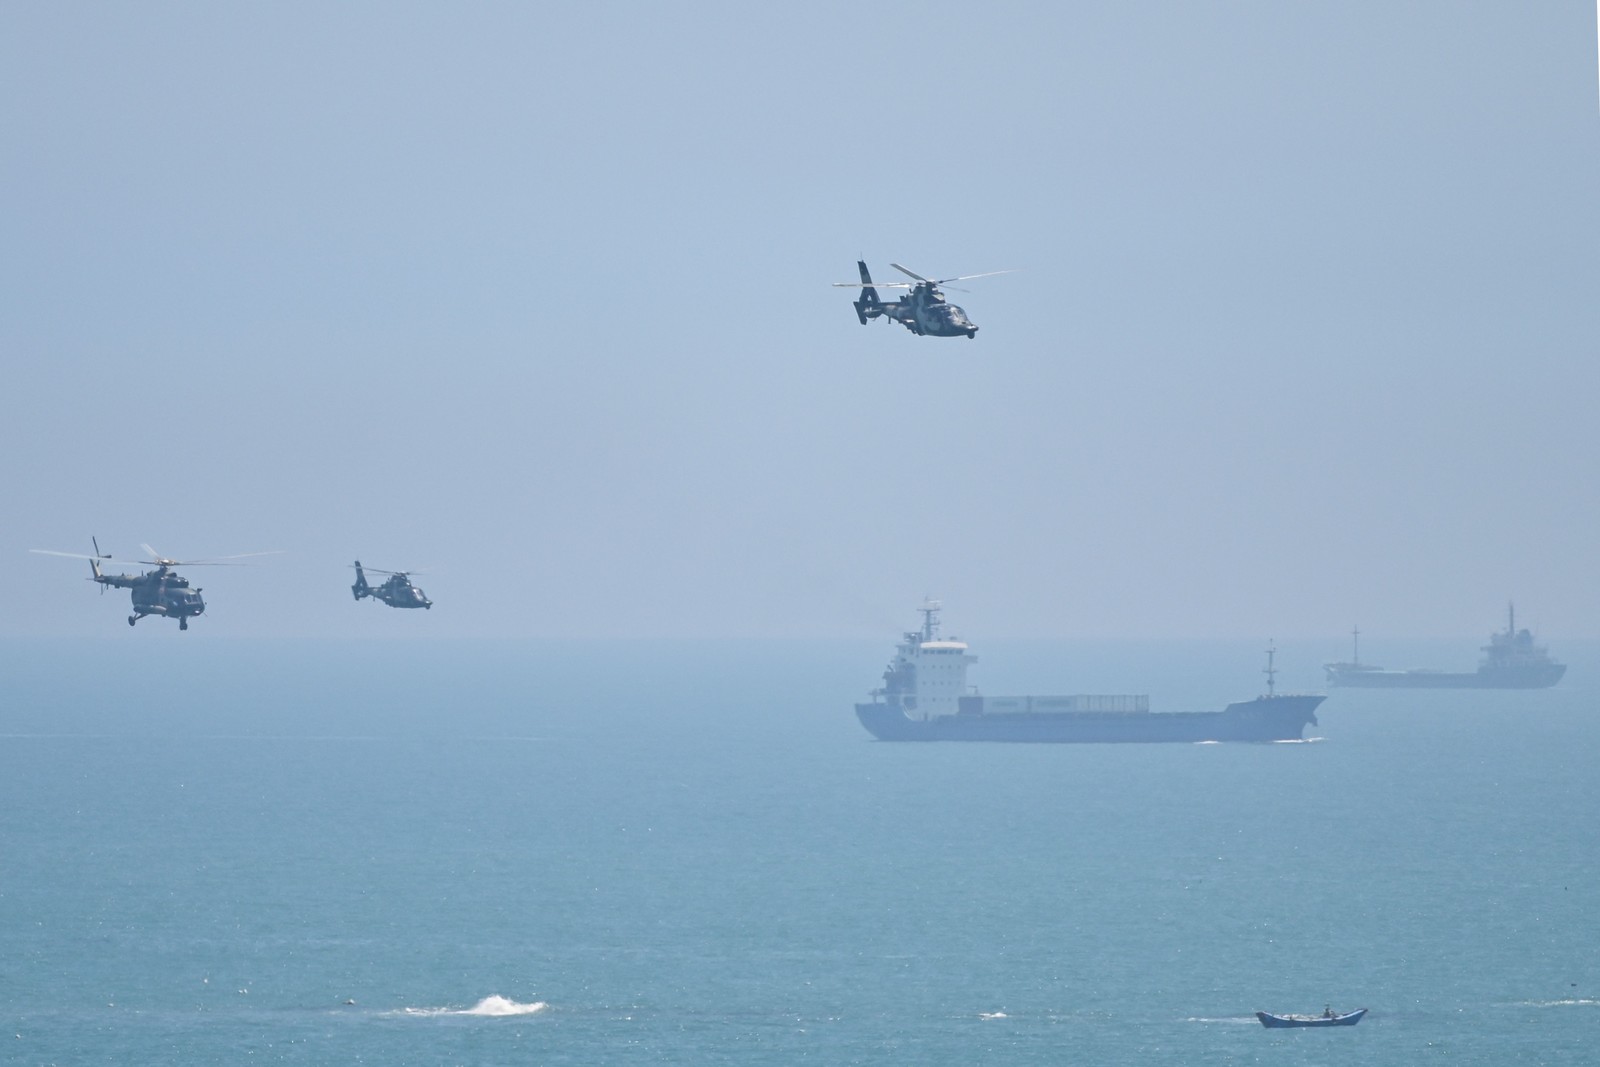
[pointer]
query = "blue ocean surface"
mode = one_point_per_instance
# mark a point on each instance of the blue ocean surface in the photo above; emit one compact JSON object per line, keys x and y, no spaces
{"x":691,"y":853}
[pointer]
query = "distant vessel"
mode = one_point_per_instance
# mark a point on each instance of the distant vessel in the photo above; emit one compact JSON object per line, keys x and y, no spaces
{"x":924,"y":698}
{"x":1510,"y":661}
{"x":1327,"y":1018}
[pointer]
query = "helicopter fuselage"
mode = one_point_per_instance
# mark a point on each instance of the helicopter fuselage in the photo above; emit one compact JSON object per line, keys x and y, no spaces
{"x":160,"y":592}
{"x":926,"y":312}
{"x":397,"y":592}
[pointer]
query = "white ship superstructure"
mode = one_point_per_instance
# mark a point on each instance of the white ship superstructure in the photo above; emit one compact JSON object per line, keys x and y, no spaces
{"x":928,"y":675}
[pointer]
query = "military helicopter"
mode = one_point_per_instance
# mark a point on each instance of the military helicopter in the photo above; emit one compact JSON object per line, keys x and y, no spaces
{"x":924,"y":310}
{"x":159,"y":592}
{"x":397,"y":592}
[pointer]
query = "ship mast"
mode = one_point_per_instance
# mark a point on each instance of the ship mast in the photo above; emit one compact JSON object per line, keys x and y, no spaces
{"x":1355,"y":647}
{"x":1271,"y":672}
{"x":930,"y":618}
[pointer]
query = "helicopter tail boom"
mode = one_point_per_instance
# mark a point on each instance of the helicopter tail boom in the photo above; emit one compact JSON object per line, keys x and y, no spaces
{"x":361,"y":588}
{"x":869,"y":306}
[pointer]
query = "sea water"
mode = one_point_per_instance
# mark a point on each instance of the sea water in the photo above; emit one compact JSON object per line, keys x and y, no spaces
{"x":678,"y":853}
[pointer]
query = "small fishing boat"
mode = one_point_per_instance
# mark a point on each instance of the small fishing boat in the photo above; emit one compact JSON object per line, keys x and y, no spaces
{"x":1327,"y":1018}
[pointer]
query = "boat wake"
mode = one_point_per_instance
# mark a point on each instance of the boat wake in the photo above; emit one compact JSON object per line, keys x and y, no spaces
{"x":1586,"y":1002}
{"x":993,"y":1015}
{"x":493,"y":1007}
{"x":1251,"y":1019}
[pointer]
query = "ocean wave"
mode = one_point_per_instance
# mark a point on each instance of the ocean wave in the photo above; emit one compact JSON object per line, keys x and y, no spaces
{"x":993,"y":1015}
{"x":1587,"y":1002}
{"x":492,"y":1007}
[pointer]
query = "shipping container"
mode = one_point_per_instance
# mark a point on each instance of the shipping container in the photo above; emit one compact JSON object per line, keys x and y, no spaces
{"x":1099,"y":703}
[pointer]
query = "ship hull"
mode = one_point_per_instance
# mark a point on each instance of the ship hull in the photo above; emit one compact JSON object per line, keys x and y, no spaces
{"x":1276,"y":718}
{"x":1539,"y":677}
{"x":1348,"y":1019}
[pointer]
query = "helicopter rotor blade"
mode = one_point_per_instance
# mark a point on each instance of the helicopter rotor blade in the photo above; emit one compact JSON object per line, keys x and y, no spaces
{"x":872,"y":285}
{"x":69,"y":555}
{"x":82,"y":555}
{"x":157,"y":560}
{"x":957,"y":278}
{"x":985,"y":274}
{"x":225,"y":561}
{"x":912,"y":273}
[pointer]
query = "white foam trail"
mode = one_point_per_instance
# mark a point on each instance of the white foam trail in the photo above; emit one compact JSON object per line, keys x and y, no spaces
{"x":993,"y":1015}
{"x":492,"y":1007}
{"x":501,"y":1006}
{"x":1574,"y":1002}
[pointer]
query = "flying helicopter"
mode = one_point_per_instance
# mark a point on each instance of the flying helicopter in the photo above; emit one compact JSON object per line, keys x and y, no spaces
{"x":924,"y":310}
{"x":397,"y":591}
{"x":162,"y":591}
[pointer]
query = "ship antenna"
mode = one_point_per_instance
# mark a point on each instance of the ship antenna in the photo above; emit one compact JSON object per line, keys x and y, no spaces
{"x":1511,"y":618}
{"x":1271,"y":672}
{"x":930,"y":618}
{"x":1355,"y":646}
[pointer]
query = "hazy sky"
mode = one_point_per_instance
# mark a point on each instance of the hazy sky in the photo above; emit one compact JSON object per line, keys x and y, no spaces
{"x":536,"y":297}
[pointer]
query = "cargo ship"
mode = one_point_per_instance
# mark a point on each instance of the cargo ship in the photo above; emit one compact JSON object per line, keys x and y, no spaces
{"x":1511,"y":660}
{"x":924,"y":697}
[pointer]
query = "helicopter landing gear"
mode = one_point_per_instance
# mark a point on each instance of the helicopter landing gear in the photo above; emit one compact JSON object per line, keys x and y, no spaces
{"x":183,"y":624}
